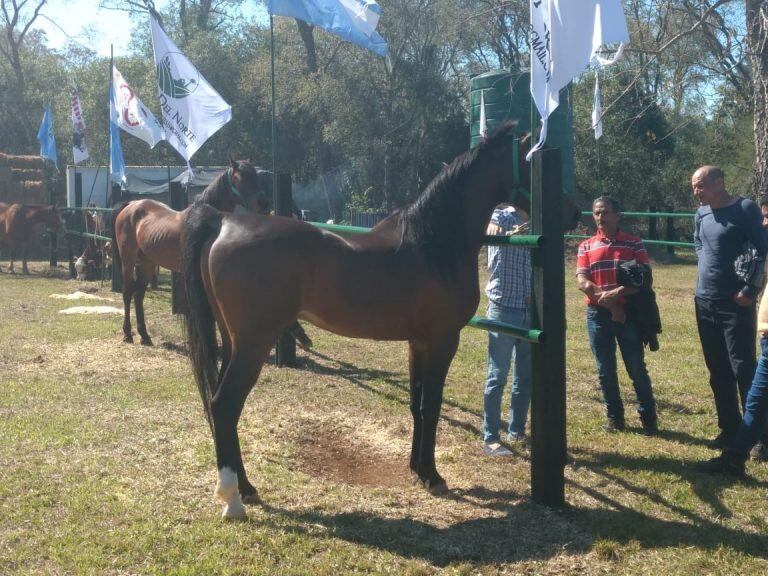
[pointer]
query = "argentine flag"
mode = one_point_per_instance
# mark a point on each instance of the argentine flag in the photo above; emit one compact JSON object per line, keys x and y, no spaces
{"x":352,"y":20}
{"x":46,"y":137}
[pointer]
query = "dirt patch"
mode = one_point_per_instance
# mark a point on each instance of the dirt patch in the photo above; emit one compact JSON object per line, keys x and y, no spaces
{"x":342,"y":458}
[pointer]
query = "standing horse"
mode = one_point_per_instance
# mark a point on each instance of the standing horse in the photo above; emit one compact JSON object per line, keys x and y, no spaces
{"x":413,"y":277}
{"x":147,"y":233}
{"x":16,"y":224}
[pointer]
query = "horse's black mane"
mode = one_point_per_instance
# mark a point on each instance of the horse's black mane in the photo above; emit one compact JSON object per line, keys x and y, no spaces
{"x":436,"y":222}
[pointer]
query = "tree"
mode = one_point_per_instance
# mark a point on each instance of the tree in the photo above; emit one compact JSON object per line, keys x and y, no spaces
{"x":17,"y":19}
{"x":757,"y":46}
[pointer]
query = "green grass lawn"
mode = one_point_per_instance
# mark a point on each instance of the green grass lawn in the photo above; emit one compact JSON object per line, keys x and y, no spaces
{"x":107,"y":465}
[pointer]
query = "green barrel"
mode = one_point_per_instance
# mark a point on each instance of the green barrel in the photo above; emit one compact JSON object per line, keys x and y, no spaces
{"x":508,"y":95}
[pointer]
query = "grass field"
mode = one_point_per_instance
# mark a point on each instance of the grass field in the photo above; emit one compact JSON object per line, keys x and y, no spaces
{"x":107,"y":465}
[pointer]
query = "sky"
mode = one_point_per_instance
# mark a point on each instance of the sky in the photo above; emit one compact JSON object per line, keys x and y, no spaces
{"x":73,"y":18}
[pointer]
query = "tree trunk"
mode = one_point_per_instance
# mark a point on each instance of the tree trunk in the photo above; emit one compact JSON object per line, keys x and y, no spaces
{"x":307,"y":36}
{"x":757,"y":44}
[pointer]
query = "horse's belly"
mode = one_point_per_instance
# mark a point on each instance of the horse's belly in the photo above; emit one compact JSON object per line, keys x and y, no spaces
{"x":163,"y":250}
{"x":364,"y":325}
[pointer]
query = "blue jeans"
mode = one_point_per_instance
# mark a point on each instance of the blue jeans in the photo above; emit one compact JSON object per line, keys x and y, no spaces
{"x":604,"y":333}
{"x":755,"y":411}
{"x":501,"y":349}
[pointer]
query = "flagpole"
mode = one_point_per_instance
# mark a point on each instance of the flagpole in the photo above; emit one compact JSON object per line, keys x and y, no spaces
{"x":109,"y":127}
{"x":274,"y":126}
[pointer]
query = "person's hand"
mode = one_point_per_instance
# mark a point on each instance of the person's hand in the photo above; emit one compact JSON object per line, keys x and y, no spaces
{"x":608,"y":297}
{"x":743,"y":300}
{"x":494,"y":229}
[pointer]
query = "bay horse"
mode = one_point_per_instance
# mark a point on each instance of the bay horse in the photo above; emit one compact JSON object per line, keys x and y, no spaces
{"x":147,"y":234}
{"x":17,"y":222}
{"x":413,"y":277}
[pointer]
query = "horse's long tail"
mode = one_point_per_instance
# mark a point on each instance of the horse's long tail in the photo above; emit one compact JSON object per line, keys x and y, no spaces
{"x":201,"y":223}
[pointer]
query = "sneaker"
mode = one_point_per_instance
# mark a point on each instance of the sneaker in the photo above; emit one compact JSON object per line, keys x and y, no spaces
{"x":614,"y":425}
{"x":719,"y":442}
{"x":722,"y":465}
{"x":496,"y":449}
{"x":651,"y":427}
{"x":760,"y":451}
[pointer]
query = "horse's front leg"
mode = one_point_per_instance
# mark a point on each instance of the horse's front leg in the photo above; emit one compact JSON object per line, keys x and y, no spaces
{"x":438,"y":359}
{"x":240,"y":375}
{"x":416,"y":358}
{"x":11,"y":250}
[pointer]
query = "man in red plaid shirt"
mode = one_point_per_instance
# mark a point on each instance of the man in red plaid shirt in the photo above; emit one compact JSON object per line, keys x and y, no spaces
{"x":607,"y":322}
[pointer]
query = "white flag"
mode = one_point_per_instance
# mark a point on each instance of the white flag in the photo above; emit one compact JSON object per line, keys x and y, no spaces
{"x":565,"y":37}
{"x":131,"y":115}
{"x":483,"y":122}
{"x":79,"y":146}
{"x":192,"y":109}
{"x":597,"y":111}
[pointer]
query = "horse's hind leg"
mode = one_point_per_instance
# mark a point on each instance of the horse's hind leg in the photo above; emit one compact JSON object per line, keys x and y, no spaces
{"x":143,"y":275}
{"x":129,"y":287}
{"x":227,"y":406}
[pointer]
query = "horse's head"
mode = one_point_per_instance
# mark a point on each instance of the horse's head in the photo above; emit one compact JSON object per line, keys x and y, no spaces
{"x":245,"y":183}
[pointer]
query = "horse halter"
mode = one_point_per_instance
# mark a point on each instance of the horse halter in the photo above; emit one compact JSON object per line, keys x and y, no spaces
{"x":232,"y":187}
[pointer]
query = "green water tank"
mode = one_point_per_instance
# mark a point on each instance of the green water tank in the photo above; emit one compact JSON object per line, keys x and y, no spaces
{"x":508,"y":95}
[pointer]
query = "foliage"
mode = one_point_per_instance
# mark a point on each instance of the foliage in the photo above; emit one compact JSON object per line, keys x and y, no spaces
{"x":680,"y":97}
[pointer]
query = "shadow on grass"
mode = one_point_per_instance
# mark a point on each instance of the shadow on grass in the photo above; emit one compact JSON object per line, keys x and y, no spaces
{"x":525,"y":532}
{"x":399,"y":388}
{"x":707,"y":487}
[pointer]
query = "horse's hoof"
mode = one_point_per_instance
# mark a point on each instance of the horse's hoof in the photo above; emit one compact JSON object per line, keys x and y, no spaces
{"x":234,"y":511}
{"x":146,"y":341}
{"x":128,"y":339}
{"x":435,"y":486}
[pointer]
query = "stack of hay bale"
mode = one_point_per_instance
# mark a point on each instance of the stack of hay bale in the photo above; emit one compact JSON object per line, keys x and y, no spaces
{"x":23,"y":179}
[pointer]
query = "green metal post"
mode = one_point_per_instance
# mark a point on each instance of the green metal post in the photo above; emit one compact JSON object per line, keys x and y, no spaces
{"x":548,"y":432}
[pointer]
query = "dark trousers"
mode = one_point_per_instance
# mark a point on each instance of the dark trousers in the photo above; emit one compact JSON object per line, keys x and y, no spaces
{"x":727,"y":334}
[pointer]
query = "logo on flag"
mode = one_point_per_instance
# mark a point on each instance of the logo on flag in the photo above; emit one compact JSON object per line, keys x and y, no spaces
{"x":79,"y":147}
{"x":192,"y":109}
{"x":352,"y":20}
{"x":171,"y":74}
{"x":131,"y":115}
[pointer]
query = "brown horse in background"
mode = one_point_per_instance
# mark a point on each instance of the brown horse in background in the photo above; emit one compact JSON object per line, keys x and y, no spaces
{"x":147,"y":233}
{"x":17,"y":222}
{"x":413,"y":277}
